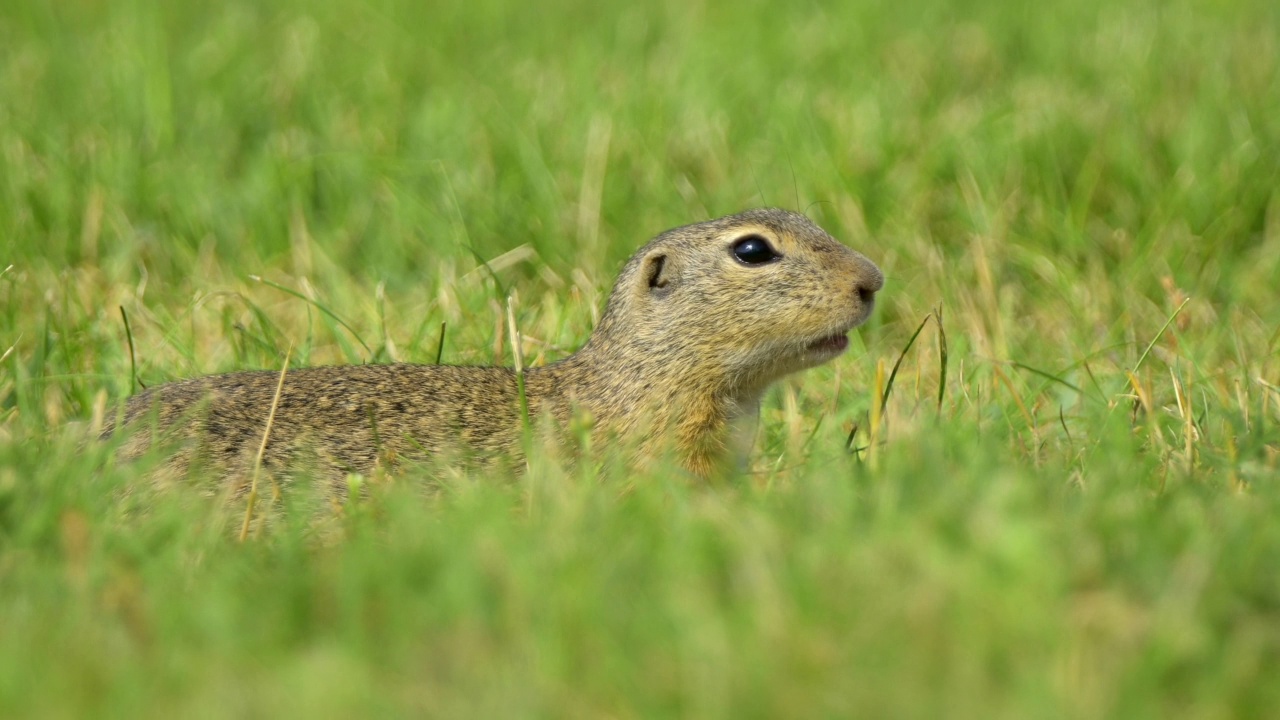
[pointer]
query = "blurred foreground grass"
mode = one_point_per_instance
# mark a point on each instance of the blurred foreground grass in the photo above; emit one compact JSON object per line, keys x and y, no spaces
{"x":1084,"y":526}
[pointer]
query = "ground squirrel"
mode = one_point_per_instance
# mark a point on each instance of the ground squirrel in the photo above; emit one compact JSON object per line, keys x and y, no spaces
{"x":700,"y":321}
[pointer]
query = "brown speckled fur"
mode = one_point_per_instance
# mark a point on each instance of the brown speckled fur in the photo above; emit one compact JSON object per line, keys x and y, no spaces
{"x":690,"y":339}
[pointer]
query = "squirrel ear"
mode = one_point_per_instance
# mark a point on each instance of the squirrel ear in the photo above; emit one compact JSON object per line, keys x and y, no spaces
{"x":656,"y":274}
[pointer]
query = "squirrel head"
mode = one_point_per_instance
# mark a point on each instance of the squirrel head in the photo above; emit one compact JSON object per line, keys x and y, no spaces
{"x":744,"y":299}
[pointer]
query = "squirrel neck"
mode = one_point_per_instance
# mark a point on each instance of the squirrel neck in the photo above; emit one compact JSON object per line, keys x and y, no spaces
{"x":629,"y":386}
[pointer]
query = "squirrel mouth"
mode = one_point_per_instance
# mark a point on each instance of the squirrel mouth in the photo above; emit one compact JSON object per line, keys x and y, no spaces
{"x":832,"y":345}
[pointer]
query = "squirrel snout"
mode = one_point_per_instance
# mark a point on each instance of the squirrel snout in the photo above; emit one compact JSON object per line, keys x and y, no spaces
{"x":869,"y":280}
{"x":867,"y":291}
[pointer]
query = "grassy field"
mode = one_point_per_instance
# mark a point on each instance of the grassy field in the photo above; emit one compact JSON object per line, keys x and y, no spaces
{"x":1071,"y":512}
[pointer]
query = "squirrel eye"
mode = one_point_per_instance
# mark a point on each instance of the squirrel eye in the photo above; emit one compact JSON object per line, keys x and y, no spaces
{"x":754,"y":250}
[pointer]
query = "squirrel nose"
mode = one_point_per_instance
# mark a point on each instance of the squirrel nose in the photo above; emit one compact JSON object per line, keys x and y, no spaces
{"x":869,"y":282}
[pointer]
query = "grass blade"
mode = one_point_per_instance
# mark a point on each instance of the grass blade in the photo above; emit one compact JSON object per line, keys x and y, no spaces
{"x":133,"y":363}
{"x":318,"y":306}
{"x":262,"y":450}
{"x":1156,"y":339}
{"x":888,"y":388}
{"x":942,"y":356}
{"x":1050,"y":377}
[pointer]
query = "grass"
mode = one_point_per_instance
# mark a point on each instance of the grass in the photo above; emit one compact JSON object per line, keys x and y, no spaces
{"x":1068,"y":513}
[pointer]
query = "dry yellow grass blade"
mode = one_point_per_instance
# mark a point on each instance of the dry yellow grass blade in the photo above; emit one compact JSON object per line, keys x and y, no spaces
{"x":262,"y":449}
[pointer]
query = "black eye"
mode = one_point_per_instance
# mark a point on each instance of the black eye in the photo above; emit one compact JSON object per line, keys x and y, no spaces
{"x":754,"y":250}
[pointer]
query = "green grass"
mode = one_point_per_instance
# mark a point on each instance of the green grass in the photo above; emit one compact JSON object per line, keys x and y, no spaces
{"x":1085,"y":526}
